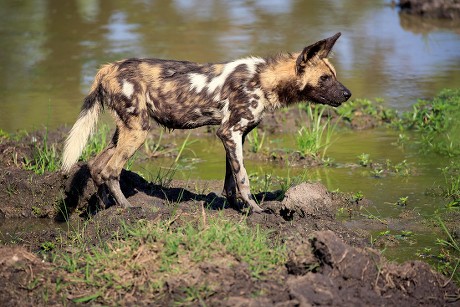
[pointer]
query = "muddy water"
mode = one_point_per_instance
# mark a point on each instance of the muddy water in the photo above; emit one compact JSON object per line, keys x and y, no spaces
{"x":204,"y":158}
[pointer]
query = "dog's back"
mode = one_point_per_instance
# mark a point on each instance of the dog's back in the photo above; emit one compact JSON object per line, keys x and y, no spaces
{"x":179,"y":94}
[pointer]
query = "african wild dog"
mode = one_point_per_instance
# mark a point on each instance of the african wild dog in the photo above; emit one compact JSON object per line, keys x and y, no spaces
{"x":186,"y":95}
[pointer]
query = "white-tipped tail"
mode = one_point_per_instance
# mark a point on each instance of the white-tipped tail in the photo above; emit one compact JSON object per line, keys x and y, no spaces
{"x":79,"y":135}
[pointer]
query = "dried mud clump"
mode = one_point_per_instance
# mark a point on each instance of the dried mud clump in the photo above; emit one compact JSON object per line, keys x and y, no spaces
{"x":330,"y":272}
{"x":309,"y":200}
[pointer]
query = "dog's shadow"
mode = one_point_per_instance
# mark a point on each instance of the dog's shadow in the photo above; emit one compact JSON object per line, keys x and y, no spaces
{"x":79,"y":188}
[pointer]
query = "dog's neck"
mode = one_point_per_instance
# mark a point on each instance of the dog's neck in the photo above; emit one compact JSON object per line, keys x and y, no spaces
{"x":278,"y":80}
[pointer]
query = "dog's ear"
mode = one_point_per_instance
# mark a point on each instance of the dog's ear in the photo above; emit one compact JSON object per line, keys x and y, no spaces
{"x":321,"y":49}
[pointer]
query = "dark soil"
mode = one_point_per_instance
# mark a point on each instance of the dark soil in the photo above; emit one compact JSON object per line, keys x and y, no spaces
{"x":328,"y":263}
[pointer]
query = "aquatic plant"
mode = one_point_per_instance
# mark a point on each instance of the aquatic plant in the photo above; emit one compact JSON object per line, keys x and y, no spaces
{"x":357,"y":196}
{"x":364,"y":159}
{"x":315,"y":138}
{"x":364,"y":107}
{"x":380,"y":169}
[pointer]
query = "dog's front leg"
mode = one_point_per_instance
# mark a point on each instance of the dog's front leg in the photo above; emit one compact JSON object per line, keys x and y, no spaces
{"x":229,"y":190}
{"x":233,"y":143}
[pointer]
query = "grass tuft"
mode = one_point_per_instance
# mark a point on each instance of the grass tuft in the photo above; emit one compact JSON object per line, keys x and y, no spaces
{"x":45,"y":158}
{"x":314,"y":138}
{"x":255,"y":140}
{"x":143,"y":257}
{"x":449,"y":255}
{"x":96,"y":143}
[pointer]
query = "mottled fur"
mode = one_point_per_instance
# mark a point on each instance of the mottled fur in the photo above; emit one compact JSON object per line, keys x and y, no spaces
{"x":186,"y":95}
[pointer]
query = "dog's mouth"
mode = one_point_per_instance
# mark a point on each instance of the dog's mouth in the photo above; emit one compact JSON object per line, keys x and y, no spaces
{"x":324,"y":100}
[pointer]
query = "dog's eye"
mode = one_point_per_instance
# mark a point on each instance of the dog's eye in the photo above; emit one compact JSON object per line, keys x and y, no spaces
{"x":325,"y":77}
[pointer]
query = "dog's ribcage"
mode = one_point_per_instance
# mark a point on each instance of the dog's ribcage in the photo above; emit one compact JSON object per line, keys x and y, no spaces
{"x":185,"y":95}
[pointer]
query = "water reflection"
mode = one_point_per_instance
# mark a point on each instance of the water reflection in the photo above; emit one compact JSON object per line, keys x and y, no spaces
{"x":51,"y":49}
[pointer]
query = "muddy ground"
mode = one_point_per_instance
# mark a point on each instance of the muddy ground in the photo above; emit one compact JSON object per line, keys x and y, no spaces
{"x":328,"y":263}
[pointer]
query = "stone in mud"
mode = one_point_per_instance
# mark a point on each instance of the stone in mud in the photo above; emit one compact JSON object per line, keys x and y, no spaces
{"x":309,"y":199}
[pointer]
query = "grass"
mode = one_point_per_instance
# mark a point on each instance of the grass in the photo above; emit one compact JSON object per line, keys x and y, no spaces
{"x":154,"y":149}
{"x":437,"y":122}
{"x":449,"y":255}
{"x":96,"y":143}
{"x":142,"y":257}
{"x":315,"y":138}
{"x":45,"y":158}
{"x":272,"y":183}
{"x":255,"y":140}
{"x":3,"y":135}
{"x":452,"y":178}
{"x":364,"y":107}
{"x":184,"y":144}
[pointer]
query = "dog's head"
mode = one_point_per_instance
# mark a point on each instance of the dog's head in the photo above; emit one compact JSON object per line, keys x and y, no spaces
{"x":316,"y":77}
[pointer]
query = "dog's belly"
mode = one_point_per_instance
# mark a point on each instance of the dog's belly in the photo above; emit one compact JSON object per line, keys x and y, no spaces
{"x":180,"y":116}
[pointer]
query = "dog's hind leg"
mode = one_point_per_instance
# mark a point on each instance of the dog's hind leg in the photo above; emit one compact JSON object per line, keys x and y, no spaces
{"x":96,"y":165}
{"x":129,"y":140}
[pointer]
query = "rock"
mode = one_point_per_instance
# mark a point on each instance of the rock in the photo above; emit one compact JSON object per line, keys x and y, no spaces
{"x":445,"y":9}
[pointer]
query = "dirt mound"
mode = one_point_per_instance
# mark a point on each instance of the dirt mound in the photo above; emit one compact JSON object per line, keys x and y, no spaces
{"x":331,"y":272}
{"x":322,"y":271}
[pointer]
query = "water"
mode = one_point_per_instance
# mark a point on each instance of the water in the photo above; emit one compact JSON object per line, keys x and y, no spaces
{"x":204,"y":158}
{"x":51,"y":50}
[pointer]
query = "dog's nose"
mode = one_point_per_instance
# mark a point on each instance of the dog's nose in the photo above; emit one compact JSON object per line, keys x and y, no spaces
{"x":346,"y":94}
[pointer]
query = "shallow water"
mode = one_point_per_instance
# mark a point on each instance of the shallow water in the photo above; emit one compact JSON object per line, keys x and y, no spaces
{"x":204,"y":158}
